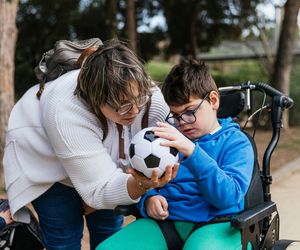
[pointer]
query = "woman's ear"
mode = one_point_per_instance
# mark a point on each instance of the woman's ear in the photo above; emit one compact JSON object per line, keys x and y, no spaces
{"x":214,"y":99}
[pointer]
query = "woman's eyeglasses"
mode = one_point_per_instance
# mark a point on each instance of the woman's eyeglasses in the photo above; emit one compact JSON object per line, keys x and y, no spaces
{"x":140,"y":102}
{"x":187,"y":116}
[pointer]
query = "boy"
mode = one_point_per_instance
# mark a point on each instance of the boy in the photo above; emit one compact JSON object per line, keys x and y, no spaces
{"x":214,"y":175}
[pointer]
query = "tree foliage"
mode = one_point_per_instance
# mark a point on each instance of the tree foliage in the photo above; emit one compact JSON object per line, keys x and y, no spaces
{"x":40,"y":23}
{"x":97,"y":19}
{"x":194,"y":24}
{"x":191,"y":26}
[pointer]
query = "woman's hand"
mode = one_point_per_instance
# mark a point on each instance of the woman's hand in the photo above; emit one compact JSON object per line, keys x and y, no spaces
{"x":138,"y":183}
{"x":154,"y":181}
{"x":87,"y":209}
{"x":157,"y":207}
{"x":174,"y":138}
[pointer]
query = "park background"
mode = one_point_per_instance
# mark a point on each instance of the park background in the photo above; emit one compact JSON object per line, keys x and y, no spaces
{"x":240,"y":40}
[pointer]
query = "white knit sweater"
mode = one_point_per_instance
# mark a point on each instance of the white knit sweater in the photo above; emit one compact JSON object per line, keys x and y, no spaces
{"x":57,"y":139}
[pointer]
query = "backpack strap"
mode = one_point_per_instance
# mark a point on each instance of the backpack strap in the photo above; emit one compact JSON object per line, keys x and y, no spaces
{"x":41,"y":89}
{"x":84,"y":54}
{"x":172,"y":237}
{"x":87,"y":52}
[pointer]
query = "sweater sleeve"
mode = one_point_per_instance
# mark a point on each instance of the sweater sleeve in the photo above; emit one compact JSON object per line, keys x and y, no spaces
{"x":225,"y":183}
{"x":159,"y":109}
{"x":76,"y":138}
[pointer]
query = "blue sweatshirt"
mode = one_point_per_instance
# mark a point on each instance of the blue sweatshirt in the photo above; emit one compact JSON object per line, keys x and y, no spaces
{"x":213,"y":181}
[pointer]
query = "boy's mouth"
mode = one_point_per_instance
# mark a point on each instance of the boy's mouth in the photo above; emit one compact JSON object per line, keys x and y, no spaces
{"x":187,"y":131}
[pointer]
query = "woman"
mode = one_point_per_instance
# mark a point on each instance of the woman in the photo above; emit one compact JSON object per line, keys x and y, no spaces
{"x":72,"y":146}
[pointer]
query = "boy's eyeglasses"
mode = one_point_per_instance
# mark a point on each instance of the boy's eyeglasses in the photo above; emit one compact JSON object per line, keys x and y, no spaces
{"x":187,"y":116}
{"x":140,"y":102}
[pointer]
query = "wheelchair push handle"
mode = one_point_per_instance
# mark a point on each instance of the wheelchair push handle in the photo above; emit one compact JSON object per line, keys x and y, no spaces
{"x":283,"y":101}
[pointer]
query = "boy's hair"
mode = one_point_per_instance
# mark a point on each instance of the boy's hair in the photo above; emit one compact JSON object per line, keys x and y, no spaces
{"x":188,"y":78}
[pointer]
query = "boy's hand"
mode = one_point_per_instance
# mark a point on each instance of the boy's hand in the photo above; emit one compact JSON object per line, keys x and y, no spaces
{"x":175,"y":139}
{"x":157,"y":207}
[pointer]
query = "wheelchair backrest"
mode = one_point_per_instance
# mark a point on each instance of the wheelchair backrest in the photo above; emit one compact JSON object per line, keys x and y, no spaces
{"x":231,"y":105}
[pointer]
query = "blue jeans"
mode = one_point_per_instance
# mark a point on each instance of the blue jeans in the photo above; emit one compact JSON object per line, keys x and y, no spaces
{"x":61,"y":219}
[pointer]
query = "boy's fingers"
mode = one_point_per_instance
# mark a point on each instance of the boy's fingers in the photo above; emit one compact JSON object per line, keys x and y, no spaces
{"x":154,"y":177}
{"x":175,"y":170}
{"x":164,"y":204}
{"x":163,"y":124}
{"x":168,"y":175}
{"x":169,"y":135}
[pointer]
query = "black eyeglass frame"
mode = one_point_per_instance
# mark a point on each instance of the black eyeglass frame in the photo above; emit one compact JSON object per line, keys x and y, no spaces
{"x":190,"y":113}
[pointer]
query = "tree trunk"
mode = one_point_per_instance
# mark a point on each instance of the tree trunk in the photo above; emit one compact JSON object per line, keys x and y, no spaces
{"x":8,"y":35}
{"x":283,"y":63}
{"x":131,"y":24}
{"x":181,"y":16}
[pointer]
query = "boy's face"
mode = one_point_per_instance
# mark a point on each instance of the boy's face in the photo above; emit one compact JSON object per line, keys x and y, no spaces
{"x":205,"y":115}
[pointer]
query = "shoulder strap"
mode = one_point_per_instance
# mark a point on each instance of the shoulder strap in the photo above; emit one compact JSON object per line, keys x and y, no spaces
{"x":172,"y":237}
{"x":146,"y":115}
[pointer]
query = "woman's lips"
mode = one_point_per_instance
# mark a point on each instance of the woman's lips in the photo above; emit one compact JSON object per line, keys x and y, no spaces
{"x":129,"y":119}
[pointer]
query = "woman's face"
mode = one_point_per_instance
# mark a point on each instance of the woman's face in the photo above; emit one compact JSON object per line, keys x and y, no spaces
{"x":127,"y":118}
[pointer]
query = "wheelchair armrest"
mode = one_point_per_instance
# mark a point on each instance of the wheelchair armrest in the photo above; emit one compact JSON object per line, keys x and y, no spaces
{"x":253,"y":215}
{"x":127,"y":210}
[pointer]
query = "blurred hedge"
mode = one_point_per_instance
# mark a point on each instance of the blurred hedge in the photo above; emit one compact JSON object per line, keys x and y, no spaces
{"x":227,"y":73}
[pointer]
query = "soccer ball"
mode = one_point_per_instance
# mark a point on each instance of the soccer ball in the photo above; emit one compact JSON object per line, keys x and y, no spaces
{"x":146,"y":153}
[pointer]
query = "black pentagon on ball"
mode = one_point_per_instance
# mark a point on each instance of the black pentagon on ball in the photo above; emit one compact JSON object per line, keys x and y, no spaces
{"x":173,"y":151}
{"x":152,"y":161}
{"x":131,"y":150}
{"x":150,"y":136}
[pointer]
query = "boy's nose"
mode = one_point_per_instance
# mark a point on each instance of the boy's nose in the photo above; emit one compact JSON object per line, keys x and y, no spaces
{"x":181,"y":122}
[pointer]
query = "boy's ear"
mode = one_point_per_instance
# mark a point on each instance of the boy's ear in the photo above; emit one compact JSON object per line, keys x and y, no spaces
{"x":214,"y":99}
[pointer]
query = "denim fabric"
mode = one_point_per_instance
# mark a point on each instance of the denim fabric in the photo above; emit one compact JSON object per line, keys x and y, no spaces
{"x":61,"y":218}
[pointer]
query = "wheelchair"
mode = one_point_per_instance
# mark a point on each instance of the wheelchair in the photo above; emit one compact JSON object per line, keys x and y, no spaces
{"x":259,"y":222}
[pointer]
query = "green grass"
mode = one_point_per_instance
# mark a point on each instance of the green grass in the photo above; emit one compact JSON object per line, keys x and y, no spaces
{"x":158,"y":70}
{"x":227,"y":73}
{"x":223,"y":72}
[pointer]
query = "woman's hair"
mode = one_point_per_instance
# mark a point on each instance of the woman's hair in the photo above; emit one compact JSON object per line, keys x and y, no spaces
{"x":106,"y":76}
{"x":188,"y":78}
